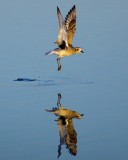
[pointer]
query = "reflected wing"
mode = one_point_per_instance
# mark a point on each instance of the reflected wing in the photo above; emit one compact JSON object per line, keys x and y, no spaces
{"x":70,"y":23}
{"x":62,"y":34}
{"x":71,"y":138}
{"x":62,"y":132}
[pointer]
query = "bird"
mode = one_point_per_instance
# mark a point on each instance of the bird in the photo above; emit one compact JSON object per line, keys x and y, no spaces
{"x":67,"y":132}
{"x":63,"y":112}
{"x":67,"y":29}
{"x":66,"y":113}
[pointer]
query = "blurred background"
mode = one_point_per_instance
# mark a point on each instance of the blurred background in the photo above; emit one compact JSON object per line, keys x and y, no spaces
{"x":94,"y":83}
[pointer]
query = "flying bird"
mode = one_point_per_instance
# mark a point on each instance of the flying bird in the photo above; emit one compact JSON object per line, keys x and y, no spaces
{"x":66,"y":113}
{"x":66,"y":33}
{"x":67,"y":132}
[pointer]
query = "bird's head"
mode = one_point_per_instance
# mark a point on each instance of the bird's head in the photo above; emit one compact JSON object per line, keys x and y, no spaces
{"x":78,"y":50}
{"x":78,"y":116}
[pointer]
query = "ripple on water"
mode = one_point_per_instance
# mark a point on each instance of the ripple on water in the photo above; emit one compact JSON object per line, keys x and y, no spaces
{"x":54,"y":81}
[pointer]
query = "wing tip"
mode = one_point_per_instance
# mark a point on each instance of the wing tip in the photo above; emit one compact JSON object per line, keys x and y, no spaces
{"x":58,"y":10}
{"x":74,"y":6}
{"x":72,"y":11}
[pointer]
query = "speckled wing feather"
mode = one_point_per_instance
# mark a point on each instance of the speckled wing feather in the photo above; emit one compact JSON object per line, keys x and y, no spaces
{"x":71,"y":138}
{"x":70,"y":24}
{"x":62,"y":35}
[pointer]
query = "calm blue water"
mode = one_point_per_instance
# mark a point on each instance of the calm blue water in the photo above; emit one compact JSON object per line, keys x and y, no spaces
{"x":94,"y":83}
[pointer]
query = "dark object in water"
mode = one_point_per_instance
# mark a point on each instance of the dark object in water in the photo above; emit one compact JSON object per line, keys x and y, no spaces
{"x":25,"y":79}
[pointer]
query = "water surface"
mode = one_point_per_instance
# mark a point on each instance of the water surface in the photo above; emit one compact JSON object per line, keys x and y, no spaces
{"x":94,"y":83}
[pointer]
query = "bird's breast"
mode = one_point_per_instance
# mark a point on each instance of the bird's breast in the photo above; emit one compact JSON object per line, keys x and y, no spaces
{"x":65,"y":52}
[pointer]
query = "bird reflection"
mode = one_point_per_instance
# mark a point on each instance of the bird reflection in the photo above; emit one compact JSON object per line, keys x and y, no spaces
{"x":67,"y":133}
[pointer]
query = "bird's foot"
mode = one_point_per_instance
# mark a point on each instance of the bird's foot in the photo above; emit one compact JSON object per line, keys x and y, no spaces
{"x":59,"y":67}
{"x":58,"y":60}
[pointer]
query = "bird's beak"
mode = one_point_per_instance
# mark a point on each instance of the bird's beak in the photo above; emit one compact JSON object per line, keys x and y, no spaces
{"x":82,"y":51}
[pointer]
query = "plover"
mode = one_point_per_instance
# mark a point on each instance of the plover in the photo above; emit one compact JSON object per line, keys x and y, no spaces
{"x":66,"y":113}
{"x":62,"y":112}
{"x":66,"y":33}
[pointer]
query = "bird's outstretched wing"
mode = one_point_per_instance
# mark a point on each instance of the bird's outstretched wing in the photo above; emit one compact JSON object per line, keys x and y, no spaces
{"x":62,"y":34}
{"x":62,"y":132}
{"x":70,"y":24}
{"x":71,"y":138}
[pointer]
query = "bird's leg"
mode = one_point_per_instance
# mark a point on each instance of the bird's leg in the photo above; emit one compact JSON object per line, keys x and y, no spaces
{"x":59,"y":64}
{"x":58,"y":101}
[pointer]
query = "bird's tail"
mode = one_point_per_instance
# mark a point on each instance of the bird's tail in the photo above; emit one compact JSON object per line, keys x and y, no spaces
{"x":48,"y":110}
{"x":48,"y":53}
{"x":52,"y":51}
{"x":51,"y":110}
